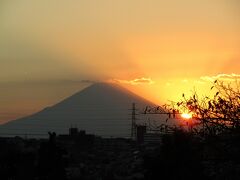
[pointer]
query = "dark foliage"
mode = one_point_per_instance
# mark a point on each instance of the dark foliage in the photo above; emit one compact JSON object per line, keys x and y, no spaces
{"x":178,"y":157}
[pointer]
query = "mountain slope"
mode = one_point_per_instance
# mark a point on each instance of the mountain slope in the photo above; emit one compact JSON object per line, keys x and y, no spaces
{"x":101,"y":109}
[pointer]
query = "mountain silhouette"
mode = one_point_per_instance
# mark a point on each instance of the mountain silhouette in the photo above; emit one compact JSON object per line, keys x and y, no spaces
{"x":101,"y":109}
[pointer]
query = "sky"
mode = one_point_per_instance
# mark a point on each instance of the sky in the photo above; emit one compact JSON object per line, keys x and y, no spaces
{"x":50,"y":49}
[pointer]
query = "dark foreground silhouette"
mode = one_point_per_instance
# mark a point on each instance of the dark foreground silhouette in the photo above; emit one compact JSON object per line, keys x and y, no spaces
{"x":80,"y":156}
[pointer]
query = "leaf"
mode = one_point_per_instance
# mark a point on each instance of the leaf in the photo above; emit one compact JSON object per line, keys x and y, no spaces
{"x":179,"y":104}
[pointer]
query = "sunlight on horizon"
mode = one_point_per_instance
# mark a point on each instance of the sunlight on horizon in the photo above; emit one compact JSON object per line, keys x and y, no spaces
{"x":186,"y":116}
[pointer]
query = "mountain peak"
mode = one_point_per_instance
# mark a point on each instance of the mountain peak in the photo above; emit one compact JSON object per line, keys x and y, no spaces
{"x":102,"y":109}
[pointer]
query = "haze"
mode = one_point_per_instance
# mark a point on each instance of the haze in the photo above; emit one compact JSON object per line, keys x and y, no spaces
{"x":50,"y":49}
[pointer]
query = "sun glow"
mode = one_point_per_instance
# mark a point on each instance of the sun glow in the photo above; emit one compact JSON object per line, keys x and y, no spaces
{"x":186,"y":116}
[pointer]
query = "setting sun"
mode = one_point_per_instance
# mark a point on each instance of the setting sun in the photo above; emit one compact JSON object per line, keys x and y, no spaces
{"x":186,"y":116}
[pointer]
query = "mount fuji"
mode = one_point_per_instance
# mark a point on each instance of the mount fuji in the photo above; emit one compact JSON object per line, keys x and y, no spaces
{"x":101,"y":109}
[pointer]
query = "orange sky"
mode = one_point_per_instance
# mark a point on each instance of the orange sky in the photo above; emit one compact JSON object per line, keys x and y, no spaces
{"x":170,"y":47}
